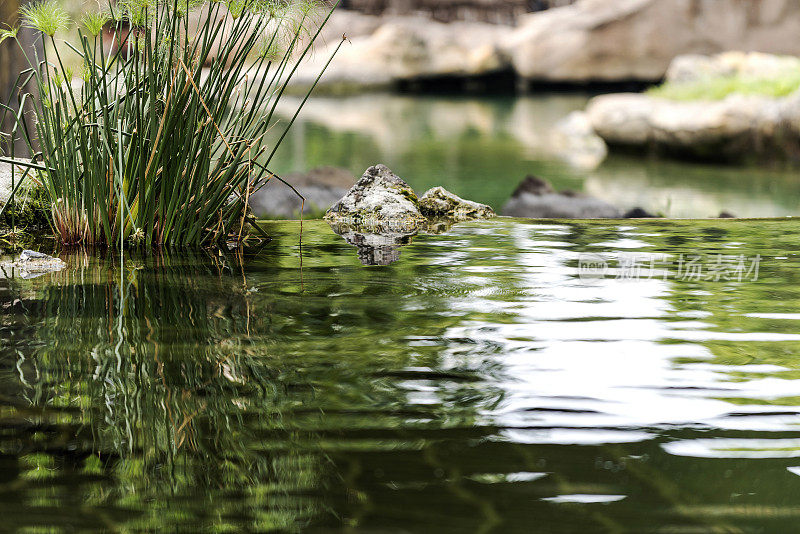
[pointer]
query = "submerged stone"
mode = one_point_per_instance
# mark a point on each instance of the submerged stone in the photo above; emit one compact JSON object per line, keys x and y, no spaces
{"x":440,"y":203}
{"x":379,"y":199}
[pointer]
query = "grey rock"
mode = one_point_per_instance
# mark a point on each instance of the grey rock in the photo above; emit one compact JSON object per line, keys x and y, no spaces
{"x":321,"y":187}
{"x":323,"y":176}
{"x":534,"y":198}
{"x":278,"y":200}
{"x":438,"y":202}
{"x":380,"y":199}
{"x":381,"y":213}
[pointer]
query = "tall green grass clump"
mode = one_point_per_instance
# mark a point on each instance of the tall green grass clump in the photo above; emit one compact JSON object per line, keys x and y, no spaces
{"x":163,"y":141}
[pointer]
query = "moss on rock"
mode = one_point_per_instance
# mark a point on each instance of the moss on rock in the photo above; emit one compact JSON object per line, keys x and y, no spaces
{"x":438,"y":202}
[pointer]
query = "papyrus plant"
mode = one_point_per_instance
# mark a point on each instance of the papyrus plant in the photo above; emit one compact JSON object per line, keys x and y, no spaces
{"x":163,"y":140}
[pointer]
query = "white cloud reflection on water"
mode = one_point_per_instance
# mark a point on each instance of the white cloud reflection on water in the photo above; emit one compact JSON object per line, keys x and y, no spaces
{"x":607,"y":362}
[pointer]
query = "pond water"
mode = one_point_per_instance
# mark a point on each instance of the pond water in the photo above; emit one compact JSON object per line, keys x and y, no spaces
{"x":507,"y":376}
{"x":481,"y":148}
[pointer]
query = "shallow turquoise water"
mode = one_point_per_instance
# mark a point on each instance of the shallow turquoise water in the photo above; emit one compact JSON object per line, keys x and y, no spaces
{"x":481,"y":148}
{"x":508,"y":376}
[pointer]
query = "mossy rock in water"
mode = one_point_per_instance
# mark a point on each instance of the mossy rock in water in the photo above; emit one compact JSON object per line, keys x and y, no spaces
{"x":440,"y":203}
{"x":379,"y":198}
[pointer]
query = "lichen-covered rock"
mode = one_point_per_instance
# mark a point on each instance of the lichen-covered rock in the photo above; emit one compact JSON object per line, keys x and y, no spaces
{"x":379,"y":198}
{"x":440,"y":203}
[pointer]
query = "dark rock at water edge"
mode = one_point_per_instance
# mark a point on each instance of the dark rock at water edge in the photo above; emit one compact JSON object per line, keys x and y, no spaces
{"x":535,"y":198}
{"x":639,"y":213}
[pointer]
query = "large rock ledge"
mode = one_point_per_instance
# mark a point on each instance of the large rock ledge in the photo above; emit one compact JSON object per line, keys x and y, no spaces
{"x":591,"y":41}
{"x":736,"y":128}
{"x":602,"y":40}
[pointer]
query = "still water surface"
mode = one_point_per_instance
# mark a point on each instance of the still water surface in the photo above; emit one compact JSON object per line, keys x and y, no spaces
{"x":486,"y":381}
{"x":481,"y":148}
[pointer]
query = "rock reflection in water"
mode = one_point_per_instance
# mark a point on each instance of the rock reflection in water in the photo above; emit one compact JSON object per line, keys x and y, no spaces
{"x":380,"y":245}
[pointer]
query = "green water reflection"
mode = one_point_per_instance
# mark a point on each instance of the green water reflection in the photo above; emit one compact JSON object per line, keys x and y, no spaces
{"x":482,"y":148}
{"x":477,"y":384}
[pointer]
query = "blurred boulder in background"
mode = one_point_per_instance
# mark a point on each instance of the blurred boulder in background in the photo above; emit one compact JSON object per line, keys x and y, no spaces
{"x":753,"y":65}
{"x":402,"y":48}
{"x":733,"y":127}
{"x":535,"y":198}
{"x":575,"y":141}
{"x":574,"y":42}
{"x":598,"y":40}
{"x":321,"y":187}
